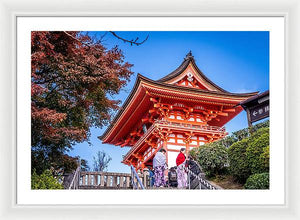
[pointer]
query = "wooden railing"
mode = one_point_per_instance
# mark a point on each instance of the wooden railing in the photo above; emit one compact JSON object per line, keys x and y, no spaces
{"x":179,"y":125}
{"x":204,"y":128}
{"x":109,"y":180}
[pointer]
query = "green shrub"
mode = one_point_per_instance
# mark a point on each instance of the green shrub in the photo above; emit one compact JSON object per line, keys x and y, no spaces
{"x":239,"y":135}
{"x":258,"y":181}
{"x":258,"y":152}
{"x":265,"y":124}
{"x":44,"y":181}
{"x":194,"y":153}
{"x":213,"y":158}
{"x":259,"y":132}
{"x":247,"y":153}
{"x":239,"y":166}
{"x":265,"y":158}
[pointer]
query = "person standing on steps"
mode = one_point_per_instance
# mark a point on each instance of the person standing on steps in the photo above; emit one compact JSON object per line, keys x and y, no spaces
{"x":159,"y":166}
{"x":181,"y":174}
{"x":151,"y":176}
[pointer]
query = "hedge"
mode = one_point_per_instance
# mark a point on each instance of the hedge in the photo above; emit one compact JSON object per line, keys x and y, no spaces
{"x":239,"y":166}
{"x":241,"y":154}
{"x":258,"y":181}
{"x":213,"y":158}
{"x":258,"y":153}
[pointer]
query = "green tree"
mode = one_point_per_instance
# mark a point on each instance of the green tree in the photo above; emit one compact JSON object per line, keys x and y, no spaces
{"x":213,"y":158}
{"x":265,"y":158}
{"x":239,"y":166}
{"x":84,"y":165}
{"x":258,"y":152}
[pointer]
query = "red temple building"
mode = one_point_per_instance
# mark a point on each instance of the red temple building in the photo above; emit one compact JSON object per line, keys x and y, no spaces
{"x":182,"y":109}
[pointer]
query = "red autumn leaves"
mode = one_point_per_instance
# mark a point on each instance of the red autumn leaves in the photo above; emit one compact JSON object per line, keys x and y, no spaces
{"x":71,"y":75}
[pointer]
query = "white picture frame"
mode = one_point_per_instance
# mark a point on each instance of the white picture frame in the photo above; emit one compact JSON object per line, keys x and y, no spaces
{"x":9,"y":12}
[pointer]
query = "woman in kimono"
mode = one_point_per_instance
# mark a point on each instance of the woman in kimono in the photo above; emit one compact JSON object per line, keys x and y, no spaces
{"x":181,"y":174}
{"x":159,"y":166}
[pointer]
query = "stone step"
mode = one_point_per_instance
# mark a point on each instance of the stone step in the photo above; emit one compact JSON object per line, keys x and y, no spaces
{"x":85,"y":187}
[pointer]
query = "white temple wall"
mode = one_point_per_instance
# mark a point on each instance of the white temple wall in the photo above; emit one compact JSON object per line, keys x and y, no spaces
{"x":172,"y":155}
{"x":172,"y":158}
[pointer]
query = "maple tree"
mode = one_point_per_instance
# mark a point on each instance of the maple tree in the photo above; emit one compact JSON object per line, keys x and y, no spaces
{"x":71,"y":78}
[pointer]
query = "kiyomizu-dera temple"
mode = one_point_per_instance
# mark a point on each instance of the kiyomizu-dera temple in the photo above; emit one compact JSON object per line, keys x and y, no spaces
{"x":182,"y":109}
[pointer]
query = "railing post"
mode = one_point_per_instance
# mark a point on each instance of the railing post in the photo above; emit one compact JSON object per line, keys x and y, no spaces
{"x":83,"y":179}
{"x":121,"y":182}
{"x":102,"y":179}
{"x":108,"y":181}
{"x":115,"y":181}
{"x":128,"y":181}
{"x":89,"y":179}
{"x":95,"y":179}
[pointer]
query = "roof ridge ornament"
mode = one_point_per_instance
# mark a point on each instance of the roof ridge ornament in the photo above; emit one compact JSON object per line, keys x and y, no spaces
{"x":189,"y":56}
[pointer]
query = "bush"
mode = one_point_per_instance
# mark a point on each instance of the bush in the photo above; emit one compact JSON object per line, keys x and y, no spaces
{"x":265,"y":158}
{"x":265,"y":124}
{"x":239,"y":166}
{"x":213,"y":158}
{"x":259,"y":132}
{"x":258,"y":152}
{"x":258,"y":181}
{"x":245,"y":133}
{"x":44,"y":181}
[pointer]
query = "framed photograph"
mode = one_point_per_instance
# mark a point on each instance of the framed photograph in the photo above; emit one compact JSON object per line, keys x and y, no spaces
{"x":191,"y":86}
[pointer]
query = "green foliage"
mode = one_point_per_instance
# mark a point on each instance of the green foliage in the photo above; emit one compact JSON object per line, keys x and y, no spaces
{"x":55,"y":160}
{"x":247,"y":153}
{"x":265,"y":124}
{"x":239,"y":166}
{"x":258,"y":181}
{"x":258,"y":152}
{"x":213,"y":158}
{"x":259,"y":132}
{"x":227,"y":141}
{"x":265,"y":158}
{"x":44,"y":181}
{"x":241,"y":134}
{"x":250,"y":155}
{"x":245,"y":133}
{"x":84,"y":165}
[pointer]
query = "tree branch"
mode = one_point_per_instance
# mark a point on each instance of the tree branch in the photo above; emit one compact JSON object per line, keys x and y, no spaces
{"x":86,"y":44}
{"x":130,"y":41}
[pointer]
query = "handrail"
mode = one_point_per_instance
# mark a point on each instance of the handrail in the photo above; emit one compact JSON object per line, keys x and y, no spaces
{"x":200,"y":179}
{"x":187,"y":125}
{"x":74,"y":178}
{"x":135,"y":175}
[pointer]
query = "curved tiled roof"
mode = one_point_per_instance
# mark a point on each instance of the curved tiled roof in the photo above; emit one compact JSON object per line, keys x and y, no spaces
{"x":187,"y":89}
{"x":187,"y":60}
{"x":161,"y":82}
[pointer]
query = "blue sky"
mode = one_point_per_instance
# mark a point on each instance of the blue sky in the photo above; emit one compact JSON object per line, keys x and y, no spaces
{"x":237,"y":61}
